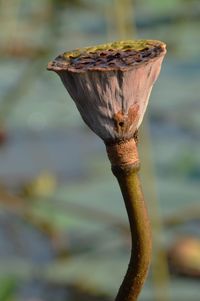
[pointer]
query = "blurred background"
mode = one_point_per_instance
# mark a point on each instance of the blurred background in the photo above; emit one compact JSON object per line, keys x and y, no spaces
{"x":64,"y":233}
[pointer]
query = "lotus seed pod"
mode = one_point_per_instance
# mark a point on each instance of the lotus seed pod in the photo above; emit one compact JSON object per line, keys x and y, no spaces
{"x":111,"y":84}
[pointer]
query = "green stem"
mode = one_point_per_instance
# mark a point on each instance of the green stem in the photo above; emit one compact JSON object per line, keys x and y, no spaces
{"x":140,"y":232}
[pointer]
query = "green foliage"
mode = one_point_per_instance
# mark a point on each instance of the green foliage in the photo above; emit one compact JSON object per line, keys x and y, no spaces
{"x":7,"y":288}
{"x":75,"y":3}
{"x":186,"y":164}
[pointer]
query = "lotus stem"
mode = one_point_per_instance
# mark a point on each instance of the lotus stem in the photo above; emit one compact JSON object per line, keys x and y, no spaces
{"x":125,"y":166}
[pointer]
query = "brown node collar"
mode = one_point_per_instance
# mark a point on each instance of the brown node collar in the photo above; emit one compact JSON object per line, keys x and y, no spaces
{"x":123,"y":155}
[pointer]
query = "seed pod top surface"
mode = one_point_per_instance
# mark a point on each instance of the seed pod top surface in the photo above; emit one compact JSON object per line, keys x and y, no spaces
{"x":120,"y":55}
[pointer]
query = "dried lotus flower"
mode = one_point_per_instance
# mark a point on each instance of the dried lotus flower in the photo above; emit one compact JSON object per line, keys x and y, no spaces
{"x":111,"y":84}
